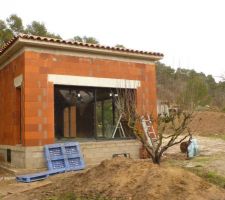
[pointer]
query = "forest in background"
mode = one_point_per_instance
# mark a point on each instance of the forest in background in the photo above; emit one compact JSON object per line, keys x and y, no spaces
{"x":184,"y":87}
{"x":13,"y":25}
{"x":189,"y":88}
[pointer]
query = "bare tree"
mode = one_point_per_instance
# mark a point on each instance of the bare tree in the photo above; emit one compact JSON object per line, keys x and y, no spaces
{"x":177,"y":123}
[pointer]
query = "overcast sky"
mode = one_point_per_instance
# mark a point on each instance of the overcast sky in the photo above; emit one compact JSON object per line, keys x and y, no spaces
{"x":190,"y":33}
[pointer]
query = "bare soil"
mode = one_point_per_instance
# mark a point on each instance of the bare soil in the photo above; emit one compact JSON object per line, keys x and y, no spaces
{"x":211,"y":157}
{"x":123,"y":178}
{"x":3,"y":173}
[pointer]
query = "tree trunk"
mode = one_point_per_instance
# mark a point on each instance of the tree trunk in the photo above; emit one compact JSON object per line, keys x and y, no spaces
{"x":156,"y":159}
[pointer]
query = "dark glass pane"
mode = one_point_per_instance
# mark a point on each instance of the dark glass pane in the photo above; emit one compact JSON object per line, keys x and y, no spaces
{"x":74,"y":112}
{"x":99,"y":117}
{"x":108,"y":118}
{"x":85,"y":112}
{"x":104,"y":112}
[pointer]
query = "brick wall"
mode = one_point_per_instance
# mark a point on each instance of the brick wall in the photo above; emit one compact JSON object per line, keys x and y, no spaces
{"x":10,"y":102}
{"x":38,"y":93}
{"x":39,"y":97}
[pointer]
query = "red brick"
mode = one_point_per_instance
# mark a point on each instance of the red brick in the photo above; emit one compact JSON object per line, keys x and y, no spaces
{"x":36,"y":66}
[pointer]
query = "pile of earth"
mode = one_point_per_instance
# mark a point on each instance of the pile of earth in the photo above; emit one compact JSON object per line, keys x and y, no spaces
{"x":3,"y":173}
{"x":208,"y":123}
{"x":123,"y":178}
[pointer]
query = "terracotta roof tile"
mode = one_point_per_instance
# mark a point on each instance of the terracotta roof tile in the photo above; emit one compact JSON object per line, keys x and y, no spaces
{"x":53,"y":40}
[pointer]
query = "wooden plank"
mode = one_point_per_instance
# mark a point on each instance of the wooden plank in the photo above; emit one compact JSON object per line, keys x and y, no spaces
{"x":66,"y":122}
{"x":73,"y":127}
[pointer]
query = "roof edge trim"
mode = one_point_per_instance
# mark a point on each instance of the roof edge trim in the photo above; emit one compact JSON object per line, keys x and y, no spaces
{"x":96,"y":48}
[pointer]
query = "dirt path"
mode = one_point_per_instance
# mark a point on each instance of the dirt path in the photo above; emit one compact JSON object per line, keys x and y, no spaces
{"x":207,"y":145}
{"x":211,"y":157}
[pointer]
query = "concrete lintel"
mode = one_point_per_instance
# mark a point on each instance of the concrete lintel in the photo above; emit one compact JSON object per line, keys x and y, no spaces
{"x":93,"y":81}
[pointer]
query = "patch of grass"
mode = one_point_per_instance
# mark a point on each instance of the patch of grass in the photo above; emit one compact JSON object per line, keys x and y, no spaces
{"x":209,"y":176}
{"x":216,"y":136}
{"x":201,"y":160}
{"x":221,"y":137}
{"x":198,"y":161}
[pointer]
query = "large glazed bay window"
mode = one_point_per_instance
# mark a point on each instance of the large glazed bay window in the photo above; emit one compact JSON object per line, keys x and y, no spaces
{"x":87,"y":112}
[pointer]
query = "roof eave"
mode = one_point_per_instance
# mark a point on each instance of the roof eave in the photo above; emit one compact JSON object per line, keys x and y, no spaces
{"x":90,"y":50}
{"x":10,"y":51}
{"x":22,"y":42}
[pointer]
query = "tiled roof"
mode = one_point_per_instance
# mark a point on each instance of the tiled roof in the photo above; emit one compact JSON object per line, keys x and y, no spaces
{"x":67,"y":42}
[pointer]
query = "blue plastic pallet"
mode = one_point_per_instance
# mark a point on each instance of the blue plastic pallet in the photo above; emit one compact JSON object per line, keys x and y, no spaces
{"x":75,"y":164}
{"x":72,"y":148}
{"x":54,"y":151}
{"x":64,"y":156}
{"x":74,"y":156}
{"x":38,"y":176}
{"x":56,"y":163}
{"x":32,"y":177}
{"x":54,"y":172}
{"x":60,"y":158}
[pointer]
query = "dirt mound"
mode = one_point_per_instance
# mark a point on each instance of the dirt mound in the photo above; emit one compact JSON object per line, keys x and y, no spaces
{"x":122,"y":178}
{"x":208,"y":123}
{"x":4,"y":173}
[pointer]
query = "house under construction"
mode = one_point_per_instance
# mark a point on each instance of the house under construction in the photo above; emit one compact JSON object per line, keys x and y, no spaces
{"x":53,"y":91}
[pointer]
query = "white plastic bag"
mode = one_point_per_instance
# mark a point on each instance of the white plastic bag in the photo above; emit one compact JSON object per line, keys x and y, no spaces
{"x":193,"y":148}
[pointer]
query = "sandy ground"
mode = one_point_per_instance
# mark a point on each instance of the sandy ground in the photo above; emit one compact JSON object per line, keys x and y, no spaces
{"x":211,"y":157}
{"x":208,"y":146}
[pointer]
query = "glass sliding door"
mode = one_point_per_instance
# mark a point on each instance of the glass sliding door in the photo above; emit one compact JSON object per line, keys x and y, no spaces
{"x":105,"y":116}
{"x":86,"y":112}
